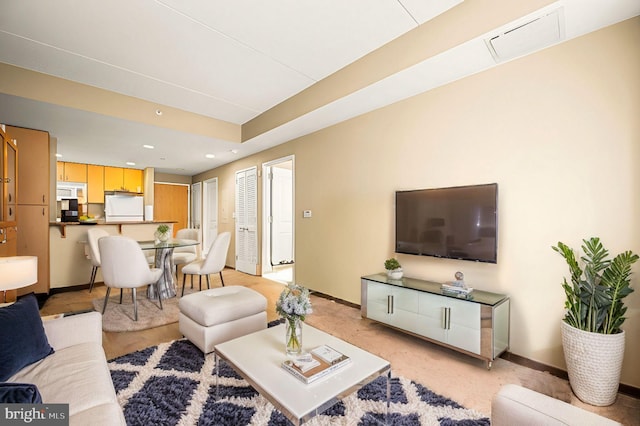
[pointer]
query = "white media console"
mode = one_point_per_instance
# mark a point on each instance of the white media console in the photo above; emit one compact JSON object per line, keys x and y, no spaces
{"x":477,"y":324}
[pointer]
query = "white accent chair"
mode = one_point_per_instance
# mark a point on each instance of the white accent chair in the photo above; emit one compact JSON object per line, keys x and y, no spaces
{"x":213,"y":263}
{"x":184,"y":255}
{"x":125,"y":266}
{"x":93,"y":235}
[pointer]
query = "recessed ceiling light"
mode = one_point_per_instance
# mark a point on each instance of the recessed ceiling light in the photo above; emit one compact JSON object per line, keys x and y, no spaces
{"x":148,"y":146}
{"x":158,"y":112}
{"x":210,"y":156}
{"x":130,"y":163}
{"x":58,"y":155}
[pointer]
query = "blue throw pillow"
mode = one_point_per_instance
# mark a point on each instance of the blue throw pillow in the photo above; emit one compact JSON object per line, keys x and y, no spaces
{"x":19,"y":393}
{"x":22,"y":337}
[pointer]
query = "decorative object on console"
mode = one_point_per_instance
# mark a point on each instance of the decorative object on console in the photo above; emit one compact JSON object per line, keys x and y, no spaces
{"x":457,"y":287}
{"x":17,"y":272}
{"x":294,"y":305}
{"x":592,"y":339}
{"x":394,"y":269}
{"x":162,"y":233}
{"x":456,"y":290}
{"x":459,"y":282}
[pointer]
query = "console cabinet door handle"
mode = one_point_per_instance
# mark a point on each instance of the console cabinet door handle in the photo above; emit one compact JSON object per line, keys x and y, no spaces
{"x":446,"y":318}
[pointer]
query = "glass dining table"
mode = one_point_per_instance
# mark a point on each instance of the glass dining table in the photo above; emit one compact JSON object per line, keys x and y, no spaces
{"x":164,"y":261}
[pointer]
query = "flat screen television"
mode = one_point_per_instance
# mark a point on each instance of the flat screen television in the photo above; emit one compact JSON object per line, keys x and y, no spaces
{"x":455,"y":223}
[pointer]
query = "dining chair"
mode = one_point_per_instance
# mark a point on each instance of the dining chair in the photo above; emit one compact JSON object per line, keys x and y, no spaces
{"x":125,"y":266}
{"x":213,"y":263}
{"x":187,"y":254}
{"x":93,"y":235}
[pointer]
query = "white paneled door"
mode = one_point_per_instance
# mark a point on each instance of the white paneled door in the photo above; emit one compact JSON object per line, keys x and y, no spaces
{"x":246,"y":216}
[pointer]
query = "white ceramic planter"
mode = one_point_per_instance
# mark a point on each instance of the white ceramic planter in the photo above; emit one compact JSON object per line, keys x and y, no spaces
{"x":394,"y":274}
{"x":594,"y":363}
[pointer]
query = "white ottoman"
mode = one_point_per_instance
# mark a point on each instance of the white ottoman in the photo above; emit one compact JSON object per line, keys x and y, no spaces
{"x":213,"y":316}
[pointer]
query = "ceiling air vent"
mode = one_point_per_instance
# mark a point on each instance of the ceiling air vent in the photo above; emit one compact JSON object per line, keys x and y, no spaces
{"x":527,"y":38}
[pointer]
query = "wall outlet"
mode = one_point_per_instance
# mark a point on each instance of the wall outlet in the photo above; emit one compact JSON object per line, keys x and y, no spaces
{"x":306,"y":213}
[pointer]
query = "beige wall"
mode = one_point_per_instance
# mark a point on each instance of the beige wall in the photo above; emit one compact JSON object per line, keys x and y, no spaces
{"x":171,"y":178}
{"x":557,"y":130}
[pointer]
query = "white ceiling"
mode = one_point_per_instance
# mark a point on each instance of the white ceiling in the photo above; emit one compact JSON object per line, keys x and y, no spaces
{"x":230,"y":60}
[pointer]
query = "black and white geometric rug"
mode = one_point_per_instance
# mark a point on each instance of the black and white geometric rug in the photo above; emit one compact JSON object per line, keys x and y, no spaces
{"x":174,"y":384}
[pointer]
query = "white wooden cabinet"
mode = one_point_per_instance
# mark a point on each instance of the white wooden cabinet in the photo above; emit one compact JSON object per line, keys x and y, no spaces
{"x":477,"y":325}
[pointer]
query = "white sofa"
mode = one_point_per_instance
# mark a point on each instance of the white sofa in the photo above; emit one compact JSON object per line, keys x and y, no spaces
{"x":515,"y":405}
{"x":77,"y":372}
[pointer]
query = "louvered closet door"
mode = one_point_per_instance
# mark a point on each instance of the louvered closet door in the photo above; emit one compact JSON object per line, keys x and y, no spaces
{"x":247,"y":221}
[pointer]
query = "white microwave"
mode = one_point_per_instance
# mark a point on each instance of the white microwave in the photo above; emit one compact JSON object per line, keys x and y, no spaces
{"x":71,"y":190}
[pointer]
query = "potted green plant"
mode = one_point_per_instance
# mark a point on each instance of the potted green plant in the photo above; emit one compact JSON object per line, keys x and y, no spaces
{"x":592,"y":338}
{"x":394,"y":269}
{"x":162,"y":232}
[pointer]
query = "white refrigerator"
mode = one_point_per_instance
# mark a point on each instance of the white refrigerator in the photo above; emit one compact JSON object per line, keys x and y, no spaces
{"x":124,"y":208}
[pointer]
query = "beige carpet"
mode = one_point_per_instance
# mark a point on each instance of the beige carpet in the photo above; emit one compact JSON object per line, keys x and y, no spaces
{"x":120,"y":317}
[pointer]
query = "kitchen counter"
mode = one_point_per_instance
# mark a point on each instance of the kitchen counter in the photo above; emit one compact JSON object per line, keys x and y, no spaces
{"x":63,"y":225}
{"x":69,"y":262}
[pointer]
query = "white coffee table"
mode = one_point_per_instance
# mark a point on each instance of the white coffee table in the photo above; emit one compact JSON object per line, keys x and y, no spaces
{"x":258,"y":356}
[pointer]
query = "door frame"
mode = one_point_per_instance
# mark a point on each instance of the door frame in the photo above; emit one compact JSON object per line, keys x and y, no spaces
{"x":206,"y":213}
{"x":266,"y":210}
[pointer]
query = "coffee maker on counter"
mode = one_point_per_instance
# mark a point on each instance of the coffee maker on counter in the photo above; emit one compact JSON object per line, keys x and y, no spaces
{"x":69,"y":210}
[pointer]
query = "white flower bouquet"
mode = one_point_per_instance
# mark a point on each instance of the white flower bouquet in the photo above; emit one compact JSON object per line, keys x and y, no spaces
{"x":293,"y":305}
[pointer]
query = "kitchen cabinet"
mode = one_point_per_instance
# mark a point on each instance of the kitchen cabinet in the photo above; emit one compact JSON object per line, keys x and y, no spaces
{"x":8,"y":248}
{"x":132,"y":180}
{"x":33,"y":170}
{"x":34,"y":185}
{"x":95,"y":184}
{"x":8,"y":241}
{"x":33,"y":240}
{"x":122,"y":179}
{"x":477,"y":325}
{"x":8,"y":177}
{"x":113,"y":178}
{"x":71,"y":172}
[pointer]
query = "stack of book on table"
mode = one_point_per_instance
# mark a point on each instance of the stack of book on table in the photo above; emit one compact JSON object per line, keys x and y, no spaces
{"x":317,"y":364}
{"x":456,"y":290}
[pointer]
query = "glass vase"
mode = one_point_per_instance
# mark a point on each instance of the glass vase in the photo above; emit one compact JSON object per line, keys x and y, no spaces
{"x":162,"y":236}
{"x":293,"y":336}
